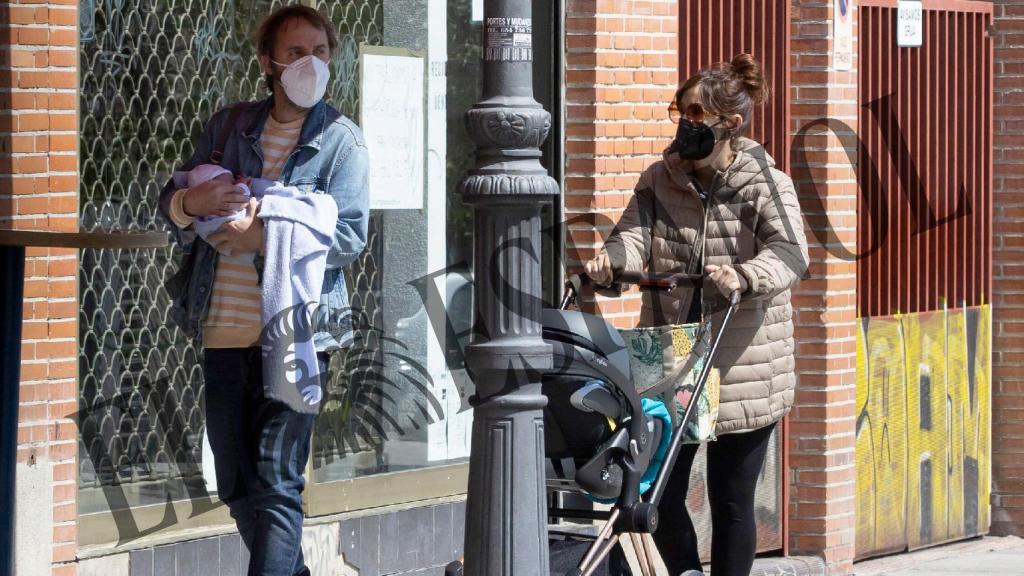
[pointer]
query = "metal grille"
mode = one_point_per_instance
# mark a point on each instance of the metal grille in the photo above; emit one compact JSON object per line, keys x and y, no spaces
{"x":152,"y":73}
{"x":924,"y":224}
{"x":713,"y":31}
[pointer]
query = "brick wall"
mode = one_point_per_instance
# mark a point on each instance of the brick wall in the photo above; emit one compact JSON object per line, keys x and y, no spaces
{"x":39,"y":190}
{"x":1008,"y":300}
{"x":822,"y":423}
{"x":621,"y":73}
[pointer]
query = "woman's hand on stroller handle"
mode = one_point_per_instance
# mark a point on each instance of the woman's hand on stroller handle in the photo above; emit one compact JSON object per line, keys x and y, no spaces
{"x":600,"y":272}
{"x":726,"y":278}
{"x":599,"y":269}
{"x":649,"y":280}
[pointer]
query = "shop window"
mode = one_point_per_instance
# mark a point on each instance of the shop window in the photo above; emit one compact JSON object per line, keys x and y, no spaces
{"x":394,"y":425}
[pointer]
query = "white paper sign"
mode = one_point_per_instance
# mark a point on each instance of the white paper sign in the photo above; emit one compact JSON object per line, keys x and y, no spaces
{"x":451,"y":437}
{"x":909,"y":23}
{"x":842,"y":28}
{"x":392,"y":123}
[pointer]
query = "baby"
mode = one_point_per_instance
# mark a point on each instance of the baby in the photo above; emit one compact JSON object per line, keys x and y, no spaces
{"x":251,"y":187}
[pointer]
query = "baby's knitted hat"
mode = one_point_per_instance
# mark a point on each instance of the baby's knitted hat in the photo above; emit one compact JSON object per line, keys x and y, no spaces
{"x":204,"y":173}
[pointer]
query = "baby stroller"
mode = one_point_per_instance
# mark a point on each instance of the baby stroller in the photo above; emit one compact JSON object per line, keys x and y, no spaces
{"x":599,"y":441}
{"x":598,"y":438}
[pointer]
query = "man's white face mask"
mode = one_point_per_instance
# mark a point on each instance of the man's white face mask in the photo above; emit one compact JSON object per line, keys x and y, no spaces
{"x":305,"y":80}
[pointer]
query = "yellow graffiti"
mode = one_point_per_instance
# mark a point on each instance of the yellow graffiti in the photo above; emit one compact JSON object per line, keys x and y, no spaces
{"x":923,"y":429}
{"x":881,"y":433}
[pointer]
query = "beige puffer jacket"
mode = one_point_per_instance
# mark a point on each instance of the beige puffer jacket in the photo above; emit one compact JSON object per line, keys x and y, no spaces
{"x":753,"y":223}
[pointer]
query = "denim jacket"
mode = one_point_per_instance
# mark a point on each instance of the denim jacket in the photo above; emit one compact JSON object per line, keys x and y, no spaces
{"x":330,"y":158}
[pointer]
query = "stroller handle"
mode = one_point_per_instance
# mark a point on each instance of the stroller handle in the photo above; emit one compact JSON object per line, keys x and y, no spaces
{"x":650,"y":280}
{"x":655,"y":280}
{"x":658,"y":281}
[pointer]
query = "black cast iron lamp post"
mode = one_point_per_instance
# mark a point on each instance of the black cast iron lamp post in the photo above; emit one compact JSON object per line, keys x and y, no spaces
{"x":506,"y":515}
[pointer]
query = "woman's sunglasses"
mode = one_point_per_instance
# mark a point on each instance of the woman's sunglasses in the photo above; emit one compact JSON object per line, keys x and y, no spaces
{"x":693,"y":112}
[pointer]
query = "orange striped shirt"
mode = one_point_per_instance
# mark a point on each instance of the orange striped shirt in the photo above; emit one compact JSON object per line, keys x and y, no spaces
{"x":234,"y":319}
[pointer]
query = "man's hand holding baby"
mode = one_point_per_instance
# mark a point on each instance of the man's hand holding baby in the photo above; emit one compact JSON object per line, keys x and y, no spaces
{"x":216,"y":197}
{"x":244,"y":235}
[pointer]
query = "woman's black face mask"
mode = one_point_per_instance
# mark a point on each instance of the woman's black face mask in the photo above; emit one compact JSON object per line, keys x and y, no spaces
{"x":694,"y":140}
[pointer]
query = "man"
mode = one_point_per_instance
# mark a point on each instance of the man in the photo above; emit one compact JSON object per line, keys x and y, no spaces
{"x":261,"y":445}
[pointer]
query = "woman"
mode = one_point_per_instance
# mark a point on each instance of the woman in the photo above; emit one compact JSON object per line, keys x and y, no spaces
{"x":716,"y":203}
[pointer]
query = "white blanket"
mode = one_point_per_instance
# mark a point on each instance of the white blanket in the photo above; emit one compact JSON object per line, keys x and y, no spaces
{"x":298,"y":232}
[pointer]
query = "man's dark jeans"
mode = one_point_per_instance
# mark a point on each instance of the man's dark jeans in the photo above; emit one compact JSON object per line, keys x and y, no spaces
{"x":260,"y":448}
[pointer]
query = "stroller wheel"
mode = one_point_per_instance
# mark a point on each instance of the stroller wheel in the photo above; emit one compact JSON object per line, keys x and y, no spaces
{"x":454,"y":569}
{"x":644,"y":517}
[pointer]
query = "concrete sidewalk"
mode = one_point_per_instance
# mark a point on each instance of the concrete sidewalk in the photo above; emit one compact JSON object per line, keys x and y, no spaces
{"x":981,"y":557}
{"x":990,"y":556}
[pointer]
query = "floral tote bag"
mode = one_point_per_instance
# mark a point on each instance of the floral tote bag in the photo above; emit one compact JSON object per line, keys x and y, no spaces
{"x":664,"y":366}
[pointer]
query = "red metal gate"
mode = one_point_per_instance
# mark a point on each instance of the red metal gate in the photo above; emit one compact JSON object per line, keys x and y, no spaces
{"x":925,"y":240}
{"x":712,"y":31}
{"x":924,"y":224}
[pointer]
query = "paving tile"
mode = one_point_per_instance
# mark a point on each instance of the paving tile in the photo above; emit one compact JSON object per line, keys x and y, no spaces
{"x":185,"y":556}
{"x":141,"y":562}
{"x":208,"y":557}
{"x":369,"y":543}
{"x":459,"y":527}
{"x":349,"y":542}
{"x":415,"y":527}
{"x":163,"y":561}
{"x":243,"y":557}
{"x":443,"y":548}
{"x":392,"y":561}
{"x":230,"y":555}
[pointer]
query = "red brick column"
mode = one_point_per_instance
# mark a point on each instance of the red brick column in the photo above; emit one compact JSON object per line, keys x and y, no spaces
{"x":621,"y":74}
{"x":1008,"y":274}
{"x":39,"y":190}
{"x":823,"y":422}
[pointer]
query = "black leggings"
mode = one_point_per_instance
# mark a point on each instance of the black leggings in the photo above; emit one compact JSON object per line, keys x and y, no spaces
{"x":734,"y":463}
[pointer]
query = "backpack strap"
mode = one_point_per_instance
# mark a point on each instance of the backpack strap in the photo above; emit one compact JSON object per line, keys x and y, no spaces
{"x":218,"y":152}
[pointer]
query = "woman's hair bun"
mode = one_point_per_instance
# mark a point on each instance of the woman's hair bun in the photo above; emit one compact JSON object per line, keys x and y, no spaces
{"x":748,"y":70}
